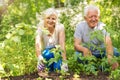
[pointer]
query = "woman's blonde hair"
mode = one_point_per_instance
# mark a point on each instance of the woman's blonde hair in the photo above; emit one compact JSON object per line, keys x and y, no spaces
{"x":50,"y":11}
{"x":45,"y":13}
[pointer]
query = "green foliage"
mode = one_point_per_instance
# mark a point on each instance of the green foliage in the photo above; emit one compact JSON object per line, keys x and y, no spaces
{"x":74,"y":3}
{"x":105,"y":67}
{"x":86,"y":65}
{"x":18,"y":50}
{"x":17,"y":33}
{"x":115,"y":75}
{"x":68,"y":29}
{"x":57,"y":56}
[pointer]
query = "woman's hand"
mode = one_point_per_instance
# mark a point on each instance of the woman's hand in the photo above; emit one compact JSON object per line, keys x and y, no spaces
{"x":64,"y":67}
{"x":40,"y":65}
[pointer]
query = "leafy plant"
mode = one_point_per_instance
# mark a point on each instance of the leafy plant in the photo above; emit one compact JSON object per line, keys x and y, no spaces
{"x":57,"y":54}
{"x":115,"y":75}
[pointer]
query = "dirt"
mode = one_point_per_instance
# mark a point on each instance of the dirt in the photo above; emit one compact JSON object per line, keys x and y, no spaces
{"x":56,"y":76}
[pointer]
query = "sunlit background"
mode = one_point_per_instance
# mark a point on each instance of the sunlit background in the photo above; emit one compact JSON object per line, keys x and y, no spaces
{"x":18,"y":20}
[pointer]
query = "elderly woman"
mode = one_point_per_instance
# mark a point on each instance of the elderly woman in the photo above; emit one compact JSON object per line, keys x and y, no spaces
{"x":49,"y":34}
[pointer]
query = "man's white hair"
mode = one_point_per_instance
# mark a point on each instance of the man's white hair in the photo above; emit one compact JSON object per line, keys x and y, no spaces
{"x":91,"y":7}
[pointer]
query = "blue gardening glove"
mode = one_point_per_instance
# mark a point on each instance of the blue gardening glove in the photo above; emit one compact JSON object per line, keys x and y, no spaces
{"x":40,"y":65}
{"x":64,"y":67}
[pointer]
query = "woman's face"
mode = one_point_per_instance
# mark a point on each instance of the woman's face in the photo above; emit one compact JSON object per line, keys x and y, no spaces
{"x":50,"y":21}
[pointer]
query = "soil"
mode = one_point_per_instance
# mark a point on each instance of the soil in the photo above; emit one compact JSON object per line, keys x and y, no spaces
{"x":56,"y":76}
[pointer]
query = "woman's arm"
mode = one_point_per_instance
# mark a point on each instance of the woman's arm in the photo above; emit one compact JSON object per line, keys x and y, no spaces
{"x":62,"y":41}
{"x":38,"y":43}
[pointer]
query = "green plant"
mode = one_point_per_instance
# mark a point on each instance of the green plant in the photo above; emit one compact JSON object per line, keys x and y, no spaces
{"x":57,"y":54}
{"x":115,"y":75}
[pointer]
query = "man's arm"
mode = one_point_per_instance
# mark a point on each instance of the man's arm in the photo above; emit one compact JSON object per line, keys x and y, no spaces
{"x":79,"y":47}
{"x":109,"y":50}
{"x":109,"y":47}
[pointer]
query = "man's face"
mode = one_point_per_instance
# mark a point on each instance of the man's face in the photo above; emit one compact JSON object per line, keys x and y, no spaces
{"x":92,"y":18}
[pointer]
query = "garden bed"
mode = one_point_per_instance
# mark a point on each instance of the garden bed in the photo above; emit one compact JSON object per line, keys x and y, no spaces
{"x":56,"y":76}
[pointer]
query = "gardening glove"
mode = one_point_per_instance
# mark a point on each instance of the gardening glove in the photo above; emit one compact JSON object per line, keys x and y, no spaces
{"x":40,"y":65}
{"x":64,"y":67}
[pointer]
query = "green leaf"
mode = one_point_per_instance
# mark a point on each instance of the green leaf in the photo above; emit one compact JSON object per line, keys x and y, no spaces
{"x":1,"y":69}
{"x":8,"y":36}
{"x":16,"y":39}
{"x":21,"y":32}
{"x":63,"y":1}
{"x":51,"y":61}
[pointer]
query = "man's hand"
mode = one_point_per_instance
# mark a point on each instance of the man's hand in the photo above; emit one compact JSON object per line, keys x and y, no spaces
{"x":40,"y":65}
{"x":115,"y":65}
{"x":87,"y":52}
{"x":64,"y":67}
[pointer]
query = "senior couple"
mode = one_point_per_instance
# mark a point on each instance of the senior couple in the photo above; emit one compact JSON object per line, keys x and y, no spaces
{"x":45,"y":41}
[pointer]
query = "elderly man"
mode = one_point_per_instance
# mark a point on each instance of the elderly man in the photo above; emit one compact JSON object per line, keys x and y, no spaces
{"x":90,"y":34}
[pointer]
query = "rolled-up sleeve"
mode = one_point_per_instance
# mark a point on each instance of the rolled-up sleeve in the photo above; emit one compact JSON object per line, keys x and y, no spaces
{"x":78,"y":33}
